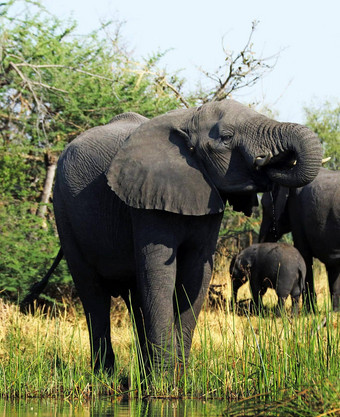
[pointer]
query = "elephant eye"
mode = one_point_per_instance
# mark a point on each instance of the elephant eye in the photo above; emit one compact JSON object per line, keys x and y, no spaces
{"x":226,"y":137}
{"x":225,"y":140}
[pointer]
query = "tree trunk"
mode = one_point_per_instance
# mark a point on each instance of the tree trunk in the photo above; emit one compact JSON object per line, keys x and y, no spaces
{"x":51,"y":165}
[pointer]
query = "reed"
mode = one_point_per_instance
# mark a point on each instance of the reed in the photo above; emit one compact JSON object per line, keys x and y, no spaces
{"x":243,"y":359}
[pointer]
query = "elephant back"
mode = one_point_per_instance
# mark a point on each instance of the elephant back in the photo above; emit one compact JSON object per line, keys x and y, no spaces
{"x":90,"y":154}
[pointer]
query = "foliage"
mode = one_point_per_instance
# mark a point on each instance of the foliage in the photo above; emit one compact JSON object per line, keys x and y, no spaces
{"x":237,"y":231}
{"x":55,"y":85}
{"x":325,"y":121}
{"x":26,"y":251}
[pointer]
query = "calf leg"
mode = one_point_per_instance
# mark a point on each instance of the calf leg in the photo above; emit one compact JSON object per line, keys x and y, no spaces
{"x":258,"y":291}
{"x":295,"y":305}
{"x":280,"y":305}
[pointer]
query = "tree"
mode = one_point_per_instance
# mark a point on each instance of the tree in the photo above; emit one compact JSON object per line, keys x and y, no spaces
{"x":55,"y":85}
{"x":239,"y":71}
{"x":325,"y":121}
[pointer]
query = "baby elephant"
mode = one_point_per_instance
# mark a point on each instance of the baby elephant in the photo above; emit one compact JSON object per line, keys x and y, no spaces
{"x":269,"y":265}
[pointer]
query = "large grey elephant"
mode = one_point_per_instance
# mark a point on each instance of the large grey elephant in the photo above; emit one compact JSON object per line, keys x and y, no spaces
{"x":269,"y":265}
{"x":312,"y":214}
{"x":139,"y":203}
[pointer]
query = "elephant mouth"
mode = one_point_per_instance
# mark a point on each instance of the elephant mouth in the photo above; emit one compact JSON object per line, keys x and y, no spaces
{"x":283,"y":161}
{"x":262,"y":180}
{"x":280,"y":163}
{"x":259,"y":178}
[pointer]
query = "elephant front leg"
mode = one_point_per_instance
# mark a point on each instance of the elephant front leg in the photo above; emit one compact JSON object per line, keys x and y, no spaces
{"x":193,"y":279}
{"x":156,"y":273}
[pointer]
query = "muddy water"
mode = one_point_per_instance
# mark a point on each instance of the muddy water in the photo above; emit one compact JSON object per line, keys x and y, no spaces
{"x":107,"y":408}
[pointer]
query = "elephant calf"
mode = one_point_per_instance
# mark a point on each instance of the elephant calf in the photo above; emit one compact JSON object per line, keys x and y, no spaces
{"x":269,"y":265}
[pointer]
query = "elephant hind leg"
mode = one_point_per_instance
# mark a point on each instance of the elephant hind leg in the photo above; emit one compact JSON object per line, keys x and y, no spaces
{"x":309,"y":295}
{"x":96,"y":302}
{"x":97,"y":311}
{"x":334,"y":286}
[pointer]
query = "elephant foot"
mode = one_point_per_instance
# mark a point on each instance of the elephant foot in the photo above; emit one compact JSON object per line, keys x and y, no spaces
{"x":104,"y":362}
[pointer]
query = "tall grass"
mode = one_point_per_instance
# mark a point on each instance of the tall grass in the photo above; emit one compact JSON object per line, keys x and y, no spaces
{"x":242,"y":358}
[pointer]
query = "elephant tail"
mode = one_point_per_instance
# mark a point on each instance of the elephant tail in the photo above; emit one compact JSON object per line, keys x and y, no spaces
{"x":38,"y":287}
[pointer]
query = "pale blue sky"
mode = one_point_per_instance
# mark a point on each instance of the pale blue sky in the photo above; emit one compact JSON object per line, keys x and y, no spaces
{"x":306,"y":31}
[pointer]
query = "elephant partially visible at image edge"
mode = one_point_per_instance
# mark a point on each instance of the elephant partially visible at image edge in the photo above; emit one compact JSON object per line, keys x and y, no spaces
{"x":312,"y":214}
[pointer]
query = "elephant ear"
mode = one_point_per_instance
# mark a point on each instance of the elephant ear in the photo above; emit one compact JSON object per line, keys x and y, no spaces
{"x":155,"y":169}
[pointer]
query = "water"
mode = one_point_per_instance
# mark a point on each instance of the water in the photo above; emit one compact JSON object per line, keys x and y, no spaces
{"x":109,"y":408}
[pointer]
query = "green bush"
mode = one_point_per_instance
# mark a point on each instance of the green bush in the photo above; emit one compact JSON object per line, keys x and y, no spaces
{"x":27,"y":250}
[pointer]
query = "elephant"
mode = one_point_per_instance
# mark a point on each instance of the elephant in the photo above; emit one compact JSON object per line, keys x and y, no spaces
{"x":269,"y":265}
{"x":138,"y":206}
{"x":312,"y":214}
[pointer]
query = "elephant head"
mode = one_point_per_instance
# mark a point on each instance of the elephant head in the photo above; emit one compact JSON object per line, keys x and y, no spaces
{"x":190,"y":161}
{"x":239,"y":271}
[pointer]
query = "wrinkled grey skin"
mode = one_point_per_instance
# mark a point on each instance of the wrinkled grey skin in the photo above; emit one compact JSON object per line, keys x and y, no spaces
{"x":269,"y":265}
{"x":138,"y":205}
{"x":312,"y":214}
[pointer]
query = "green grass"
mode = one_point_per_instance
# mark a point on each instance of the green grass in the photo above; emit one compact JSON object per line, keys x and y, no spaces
{"x":259,"y":365}
{"x":263,"y":358}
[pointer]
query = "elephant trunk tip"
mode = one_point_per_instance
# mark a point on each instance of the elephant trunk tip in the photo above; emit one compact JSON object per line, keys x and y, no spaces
{"x":301,"y":159}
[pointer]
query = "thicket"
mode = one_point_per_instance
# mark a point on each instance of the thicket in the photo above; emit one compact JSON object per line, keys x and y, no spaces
{"x":54,"y":84}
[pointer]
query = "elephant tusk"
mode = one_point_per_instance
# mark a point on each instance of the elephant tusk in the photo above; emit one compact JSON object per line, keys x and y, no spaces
{"x":324,"y":160}
{"x":263,"y":159}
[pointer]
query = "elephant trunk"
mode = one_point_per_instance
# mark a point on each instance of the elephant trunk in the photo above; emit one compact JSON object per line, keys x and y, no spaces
{"x":299,"y":158}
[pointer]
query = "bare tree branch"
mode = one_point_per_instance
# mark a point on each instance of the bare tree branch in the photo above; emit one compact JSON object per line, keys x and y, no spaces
{"x":240,"y":71}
